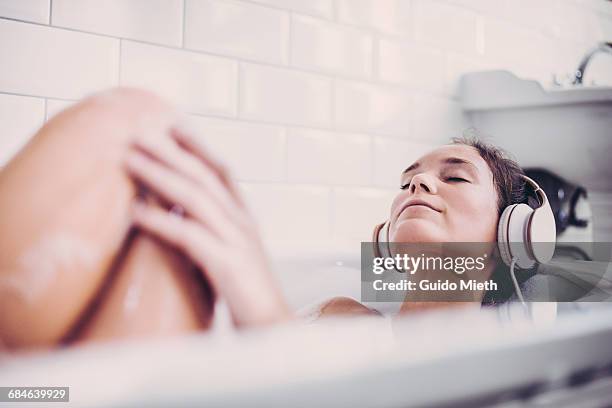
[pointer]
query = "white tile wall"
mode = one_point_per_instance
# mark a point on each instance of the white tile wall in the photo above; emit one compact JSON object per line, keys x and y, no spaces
{"x":44,"y":61}
{"x":20,"y":116}
{"x":27,"y":10}
{"x":156,"y":21}
{"x":387,"y":16}
{"x":412,"y":65}
{"x":285,"y":96}
{"x":316,"y":105}
{"x":290,"y":214}
{"x":427,"y":124}
{"x":317,"y":156}
{"x":197,"y":83}
{"x":317,"y":44}
{"x":446,"y":26}
{"x":370,"y":206}
{"x":392,"y":157}
{"x":55,"y":106}
{"x":319,"y":8}
{"x":239,"y":29}
{"x":379,"y":109}
{"x":234,"y":143}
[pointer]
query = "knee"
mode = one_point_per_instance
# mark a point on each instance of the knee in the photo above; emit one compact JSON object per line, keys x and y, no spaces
{"x":119,"y":113}
{"x":133,"y":98}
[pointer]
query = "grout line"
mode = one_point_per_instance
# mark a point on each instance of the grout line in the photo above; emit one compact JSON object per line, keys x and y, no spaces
{"x":320,"y":73}
{"x":332,"y":212}
{"x":286,"y":151}
{"x":332,"y":105}
{"x":50,"y":12}
{"x":239,"y":108}
{"x":400,"y":137}
{"x":184,"y":20}
{"x":316,"y":72}
{"x":375,"y":53}
{"x":289,"y":41}
{"x":37,"y":96}
{"x":326,"y":186}
{"x":120,"y":59}
{"x":273,"y":7}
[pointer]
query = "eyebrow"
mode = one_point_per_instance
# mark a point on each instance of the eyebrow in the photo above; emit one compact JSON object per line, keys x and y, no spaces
{"x":448,"y":160}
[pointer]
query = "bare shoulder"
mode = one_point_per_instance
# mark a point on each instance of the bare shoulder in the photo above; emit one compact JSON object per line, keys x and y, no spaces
{"x":344,"y":306}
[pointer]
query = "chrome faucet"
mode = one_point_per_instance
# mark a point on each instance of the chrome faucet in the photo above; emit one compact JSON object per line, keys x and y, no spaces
{"x":601,"y":47}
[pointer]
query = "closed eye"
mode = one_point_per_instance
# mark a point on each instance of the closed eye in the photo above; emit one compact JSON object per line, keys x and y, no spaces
{"x":457,"y":180}
{"x":450,"y":179}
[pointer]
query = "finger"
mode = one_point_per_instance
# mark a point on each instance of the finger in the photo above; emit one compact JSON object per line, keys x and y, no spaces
{"x":185,"y":234}
{"x":179,"y":190}
{"x":168,"y":151}
{"x":195,"y":145}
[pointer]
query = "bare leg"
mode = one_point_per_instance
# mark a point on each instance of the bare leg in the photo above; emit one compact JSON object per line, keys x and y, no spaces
{"x":137,"y":301}
{"x":64,"y":205}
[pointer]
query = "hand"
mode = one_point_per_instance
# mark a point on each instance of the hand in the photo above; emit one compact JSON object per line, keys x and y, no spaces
{"x":216,"y":232}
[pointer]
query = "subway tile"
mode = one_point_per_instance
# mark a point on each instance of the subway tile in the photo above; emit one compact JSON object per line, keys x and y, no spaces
{"x":457,"y":65}
{"x":36,"y":11}
{"x":437,"y":120}
{"x":388,"y":16}
{"x":238,"y":29}
{"x":20,"y":116}
{"x":445,"y":26}
{"x":412,"y":65}
{"x":288,"y":213}
{"x":493,"y":8}
{"x":318,"y":8}
{"x":316,"y":156}
{"x":55,"y":106}
{"x":284,"y":96}
{"x":317,"y":44}
{"x":378,"y":109}
{"x":356,"y":211}
{"x":392,"y":156}
{"x":546,"y":16}
{"x":196,"y":83}
{"x":604,"y":7}
{"x":579,"y":24}
{"x":252,"y":152}
{"x":44,"y":61}
{"x":156,"y":21}
{"x":501,"y":39}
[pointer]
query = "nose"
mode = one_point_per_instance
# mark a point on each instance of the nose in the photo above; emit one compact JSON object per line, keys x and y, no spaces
{"x":422,"y":181}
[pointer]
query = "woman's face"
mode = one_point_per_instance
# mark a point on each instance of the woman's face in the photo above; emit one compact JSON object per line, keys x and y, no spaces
{"x":447,"y":195}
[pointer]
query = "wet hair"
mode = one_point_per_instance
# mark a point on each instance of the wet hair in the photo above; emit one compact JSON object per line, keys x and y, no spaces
{"x":511,"y":189}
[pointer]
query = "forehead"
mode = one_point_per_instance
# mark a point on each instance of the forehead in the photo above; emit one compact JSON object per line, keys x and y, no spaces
{"x":437,"y":156}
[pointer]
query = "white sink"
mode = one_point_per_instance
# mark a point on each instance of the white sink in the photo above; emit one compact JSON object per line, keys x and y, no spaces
{"x":566,"y":130}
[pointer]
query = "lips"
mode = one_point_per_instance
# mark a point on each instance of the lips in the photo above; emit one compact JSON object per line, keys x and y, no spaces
{"x":414,"y":202}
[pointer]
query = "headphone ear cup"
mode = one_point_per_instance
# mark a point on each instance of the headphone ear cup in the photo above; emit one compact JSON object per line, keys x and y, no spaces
{"x":542,"y":234}
{"x":377,"y":239}
{"x":502,"y":235}
{"x":517,"y":240}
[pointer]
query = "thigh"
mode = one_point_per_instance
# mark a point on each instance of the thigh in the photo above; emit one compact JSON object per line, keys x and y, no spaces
{"x":64,"y":205}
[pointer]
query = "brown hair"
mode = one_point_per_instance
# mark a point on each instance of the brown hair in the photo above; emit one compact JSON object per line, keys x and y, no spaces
{"x":510,"y":187}
{"x":509,"y":184}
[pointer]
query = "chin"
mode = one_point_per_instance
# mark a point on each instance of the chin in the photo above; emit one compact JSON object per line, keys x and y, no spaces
{"x":417,"y":231}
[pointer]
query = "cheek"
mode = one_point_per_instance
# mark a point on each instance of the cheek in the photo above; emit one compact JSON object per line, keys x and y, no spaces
{"x":396,"y":202}
{"x":474,"y":215}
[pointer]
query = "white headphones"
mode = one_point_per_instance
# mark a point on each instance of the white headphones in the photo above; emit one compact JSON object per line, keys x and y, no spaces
{"x":525,"y":236}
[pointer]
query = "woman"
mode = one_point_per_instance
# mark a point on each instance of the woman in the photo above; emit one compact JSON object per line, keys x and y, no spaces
{"x":119,"y":223}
